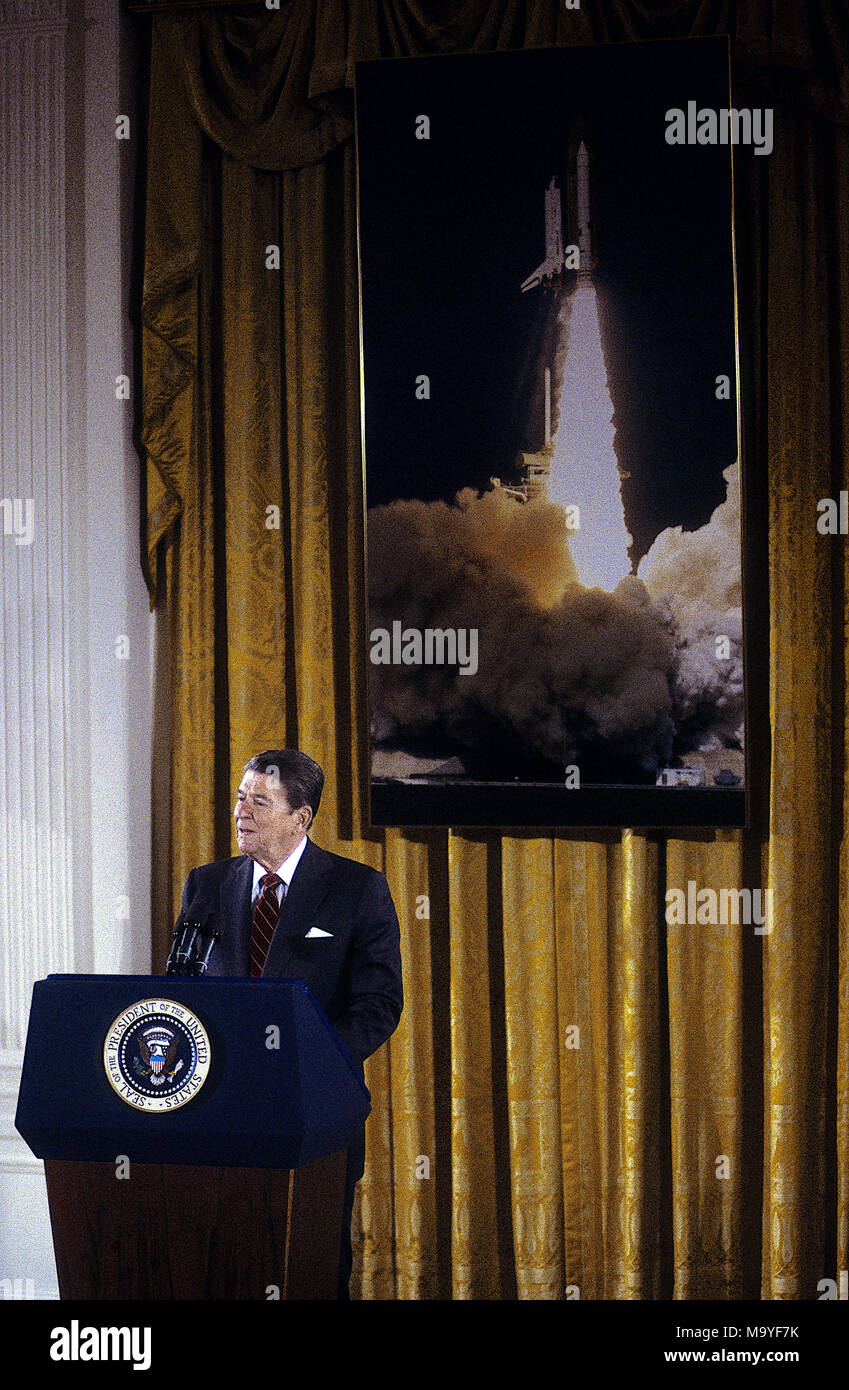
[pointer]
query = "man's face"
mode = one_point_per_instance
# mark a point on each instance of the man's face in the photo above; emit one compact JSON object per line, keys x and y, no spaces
{"x":266,"y":828}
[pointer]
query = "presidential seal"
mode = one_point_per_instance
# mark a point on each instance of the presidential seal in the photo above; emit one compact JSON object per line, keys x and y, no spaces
{"x":157,"y":1054}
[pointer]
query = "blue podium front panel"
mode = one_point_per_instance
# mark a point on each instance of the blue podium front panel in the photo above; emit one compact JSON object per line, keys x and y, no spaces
{"x":174,"y":1069}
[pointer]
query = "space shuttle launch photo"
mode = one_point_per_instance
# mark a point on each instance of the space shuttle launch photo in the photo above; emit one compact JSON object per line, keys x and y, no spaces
{"x":546,"y":462}
{"x":578,"y":467}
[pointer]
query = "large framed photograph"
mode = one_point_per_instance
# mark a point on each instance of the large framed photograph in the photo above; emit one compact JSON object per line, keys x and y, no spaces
{"x":550,"y":436}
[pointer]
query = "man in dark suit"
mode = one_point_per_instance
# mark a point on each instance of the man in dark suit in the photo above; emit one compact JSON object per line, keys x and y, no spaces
{"x":287,"y":908}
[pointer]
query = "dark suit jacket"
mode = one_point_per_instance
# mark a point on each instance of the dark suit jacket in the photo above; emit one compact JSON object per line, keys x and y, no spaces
{"x":354,"y":973}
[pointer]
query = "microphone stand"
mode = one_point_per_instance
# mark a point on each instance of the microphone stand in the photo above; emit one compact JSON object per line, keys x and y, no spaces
{"x":201,"y":961}
{"x":191,"y":948}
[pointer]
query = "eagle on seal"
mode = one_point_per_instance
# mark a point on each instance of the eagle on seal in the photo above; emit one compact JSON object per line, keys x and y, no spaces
{"x":158,"y":1048}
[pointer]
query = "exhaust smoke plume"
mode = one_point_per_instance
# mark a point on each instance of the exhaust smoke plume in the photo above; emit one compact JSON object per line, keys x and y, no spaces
{"x":611,"y":682}
{"x":695,"y":577}
{"x":565,"y":673}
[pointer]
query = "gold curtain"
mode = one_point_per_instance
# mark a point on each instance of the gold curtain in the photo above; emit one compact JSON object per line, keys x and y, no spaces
{"x":550,"y":1118}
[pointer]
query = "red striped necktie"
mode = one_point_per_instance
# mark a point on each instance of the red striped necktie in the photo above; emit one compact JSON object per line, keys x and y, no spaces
{"x":266,"y":912}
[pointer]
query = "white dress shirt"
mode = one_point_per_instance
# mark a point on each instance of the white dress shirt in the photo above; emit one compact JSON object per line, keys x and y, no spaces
{"x":285,"y":872}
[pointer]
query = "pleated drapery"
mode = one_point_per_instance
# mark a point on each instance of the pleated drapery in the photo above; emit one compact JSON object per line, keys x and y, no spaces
{"x":579,"y":1100}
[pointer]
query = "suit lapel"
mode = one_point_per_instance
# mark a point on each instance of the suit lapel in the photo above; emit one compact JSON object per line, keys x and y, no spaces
{"x":235,"y":898}
{"x":310,"y":882}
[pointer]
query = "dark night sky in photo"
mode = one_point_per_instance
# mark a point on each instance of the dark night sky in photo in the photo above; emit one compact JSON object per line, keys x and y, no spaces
{"x":451,"y":226}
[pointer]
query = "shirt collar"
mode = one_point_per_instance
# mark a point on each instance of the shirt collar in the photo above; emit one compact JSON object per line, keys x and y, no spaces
{"x":285,"y":870}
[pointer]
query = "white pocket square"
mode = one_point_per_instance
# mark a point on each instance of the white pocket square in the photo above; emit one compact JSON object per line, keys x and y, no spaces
{"x":316,"y":931}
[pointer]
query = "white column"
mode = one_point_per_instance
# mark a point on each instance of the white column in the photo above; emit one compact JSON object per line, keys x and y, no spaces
{"x":116,"y":879}
{"x":36,"y":887}
{"x":74,"y":697}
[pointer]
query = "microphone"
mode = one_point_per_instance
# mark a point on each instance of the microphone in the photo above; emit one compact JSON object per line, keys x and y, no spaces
{"x":201,"y":962}
{"x":193,"y":940}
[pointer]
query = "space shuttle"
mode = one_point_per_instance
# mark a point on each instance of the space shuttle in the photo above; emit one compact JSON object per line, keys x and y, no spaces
{"x":561,"y":260}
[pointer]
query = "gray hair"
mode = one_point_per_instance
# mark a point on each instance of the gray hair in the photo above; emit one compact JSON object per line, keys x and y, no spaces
{"x":298,"y":776}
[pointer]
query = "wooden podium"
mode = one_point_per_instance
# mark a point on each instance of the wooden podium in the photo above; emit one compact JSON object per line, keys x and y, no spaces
{"x":194,"y":1133}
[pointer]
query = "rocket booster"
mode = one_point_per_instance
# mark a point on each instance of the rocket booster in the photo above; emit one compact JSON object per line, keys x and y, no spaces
{"x":585,"y":250}
{"x":554,"y":269}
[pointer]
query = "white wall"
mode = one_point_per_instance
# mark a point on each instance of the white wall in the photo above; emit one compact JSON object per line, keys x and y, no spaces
{"x":75,"y":712}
